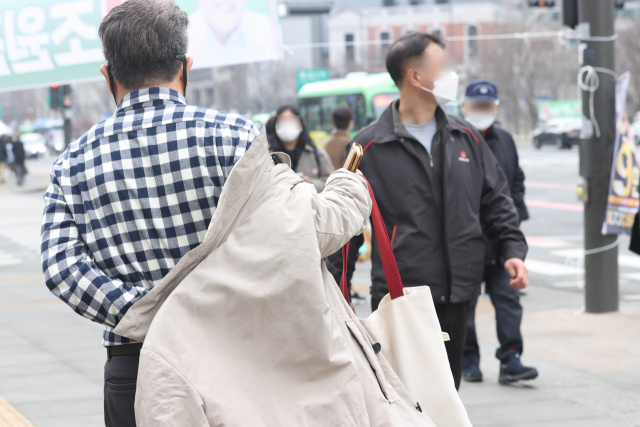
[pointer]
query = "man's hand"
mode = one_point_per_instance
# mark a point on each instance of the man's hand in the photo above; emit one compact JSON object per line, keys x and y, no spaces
{"x":518,"y":272}
{"x":307,"y":179}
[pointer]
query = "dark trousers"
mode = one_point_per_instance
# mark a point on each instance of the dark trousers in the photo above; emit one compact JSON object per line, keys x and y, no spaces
{"x":120,"y":375}
{"x":506,"y":302}
{"x":453,"y":320}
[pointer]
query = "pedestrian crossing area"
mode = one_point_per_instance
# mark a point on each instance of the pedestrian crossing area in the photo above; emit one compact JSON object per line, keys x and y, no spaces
{"x":560,"y":261}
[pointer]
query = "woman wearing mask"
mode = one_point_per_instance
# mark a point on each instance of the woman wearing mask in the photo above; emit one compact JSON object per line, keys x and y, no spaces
{"x":290,"y":136}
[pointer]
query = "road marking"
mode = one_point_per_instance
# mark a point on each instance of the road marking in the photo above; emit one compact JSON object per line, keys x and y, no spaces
{"x":554,"y":205}
{"x":551,"y":268}
{"x":550,"y":185}
{"x":624,"y":260}
{"x":545,"y":242}
{"x":634,"y":297}
{"x":10,"y":417}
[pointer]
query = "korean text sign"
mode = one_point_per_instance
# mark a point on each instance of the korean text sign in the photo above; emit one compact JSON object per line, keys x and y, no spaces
{"x":623,"y":200}
{"x":47,"y":41}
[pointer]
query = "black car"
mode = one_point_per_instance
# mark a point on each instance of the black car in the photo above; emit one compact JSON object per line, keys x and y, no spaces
{"x":561,"y":132}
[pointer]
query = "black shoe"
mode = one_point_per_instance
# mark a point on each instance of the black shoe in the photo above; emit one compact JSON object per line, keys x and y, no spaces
{"x":472,"y":374}
{"x":356,"y":295}
{"x":357,"y":299}
{"x":513,"y":370}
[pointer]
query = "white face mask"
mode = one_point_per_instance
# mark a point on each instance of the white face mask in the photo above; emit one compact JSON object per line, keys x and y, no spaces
{"x":482,"y":121}
{"x":288,"y":131}
{"x":445,"y":89}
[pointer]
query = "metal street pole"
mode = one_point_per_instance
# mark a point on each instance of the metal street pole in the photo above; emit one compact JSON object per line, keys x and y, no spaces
{"x":601,"y":266}
{"x":67,"y":114}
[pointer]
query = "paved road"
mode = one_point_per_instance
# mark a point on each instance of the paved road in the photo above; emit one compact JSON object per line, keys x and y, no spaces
{"x":51,"y":359}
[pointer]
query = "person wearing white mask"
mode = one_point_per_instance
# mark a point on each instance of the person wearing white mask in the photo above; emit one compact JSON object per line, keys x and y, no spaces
{"x":480,"y":108}
{"x":439,"y":188}
{"x":287,"y":133}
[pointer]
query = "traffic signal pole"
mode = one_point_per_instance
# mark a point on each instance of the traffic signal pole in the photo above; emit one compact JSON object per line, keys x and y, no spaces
{"x":67,"y":114}
{"x":601,"y":252}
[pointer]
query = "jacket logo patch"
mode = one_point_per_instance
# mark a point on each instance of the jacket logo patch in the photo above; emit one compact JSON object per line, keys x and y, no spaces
{"x":463,"y":157}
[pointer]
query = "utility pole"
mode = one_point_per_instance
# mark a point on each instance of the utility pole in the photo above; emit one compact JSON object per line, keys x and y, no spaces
{"x":67,"y":114}
{"x":601,"y":253}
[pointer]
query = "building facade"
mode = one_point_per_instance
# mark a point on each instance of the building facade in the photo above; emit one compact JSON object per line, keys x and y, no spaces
{"x":359,"y":38}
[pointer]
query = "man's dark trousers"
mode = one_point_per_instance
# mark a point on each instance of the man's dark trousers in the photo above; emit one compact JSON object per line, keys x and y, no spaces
{"x":506,"y":302}
{"x":453,"y":321}
{"x":120,"y":376}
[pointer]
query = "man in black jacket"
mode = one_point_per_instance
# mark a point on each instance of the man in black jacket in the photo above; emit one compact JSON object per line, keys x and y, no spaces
{"x":480,"y":108}
{"x":438,"y":187}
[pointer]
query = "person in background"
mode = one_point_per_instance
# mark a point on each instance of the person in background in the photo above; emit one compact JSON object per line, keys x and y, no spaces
{"x":336,"y":144}
{"x":480,"y":108}
{"x":290,"y":136}
{"x":3,"y":157}
{"x":438,"y":187}
{"x":17,"y":147}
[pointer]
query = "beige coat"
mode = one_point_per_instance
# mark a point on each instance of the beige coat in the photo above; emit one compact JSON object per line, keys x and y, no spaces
{"x":250,"y":329}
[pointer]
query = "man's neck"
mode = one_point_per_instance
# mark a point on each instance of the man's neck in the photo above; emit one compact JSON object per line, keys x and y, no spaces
{"x":175,"y":85}
{"x":415,"y":110}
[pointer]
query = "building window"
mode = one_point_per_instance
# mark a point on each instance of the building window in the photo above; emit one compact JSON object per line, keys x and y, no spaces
{"x":350,"y":49}
{"x":384,"y":43}
{"x":472,"y":31}
{"x":209,"y":97}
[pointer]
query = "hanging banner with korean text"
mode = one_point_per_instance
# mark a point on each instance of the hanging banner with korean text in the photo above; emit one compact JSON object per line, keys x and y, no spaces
{"x":56,"y":41}
{"x":623,"y":200}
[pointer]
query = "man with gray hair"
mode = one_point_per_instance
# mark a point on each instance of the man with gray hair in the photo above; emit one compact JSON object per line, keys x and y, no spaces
{"x":137,"y":192}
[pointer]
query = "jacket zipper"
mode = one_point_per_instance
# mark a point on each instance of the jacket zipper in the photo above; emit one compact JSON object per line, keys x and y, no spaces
{"x":443,"y":225}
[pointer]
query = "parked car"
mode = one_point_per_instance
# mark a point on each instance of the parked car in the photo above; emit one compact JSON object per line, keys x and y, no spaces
{"x":561,"y":131}
{"x":35,"y":145}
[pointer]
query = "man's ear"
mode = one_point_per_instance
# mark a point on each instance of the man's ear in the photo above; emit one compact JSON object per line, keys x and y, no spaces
{"x":412,"y":77}
{"x":105,"y":73}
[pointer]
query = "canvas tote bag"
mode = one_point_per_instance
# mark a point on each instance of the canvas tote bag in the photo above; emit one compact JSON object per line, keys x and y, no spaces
{"x":407,"y":328}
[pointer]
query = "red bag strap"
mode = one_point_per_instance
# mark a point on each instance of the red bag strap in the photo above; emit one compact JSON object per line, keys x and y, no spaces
{"x":389,"y":264}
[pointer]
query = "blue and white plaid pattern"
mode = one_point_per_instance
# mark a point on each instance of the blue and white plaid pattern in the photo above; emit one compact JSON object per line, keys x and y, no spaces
{"x":133,"y":196}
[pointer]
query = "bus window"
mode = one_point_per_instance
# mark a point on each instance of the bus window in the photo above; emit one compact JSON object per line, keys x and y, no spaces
{"x":317,"y":111}
{"x":382,"y":101}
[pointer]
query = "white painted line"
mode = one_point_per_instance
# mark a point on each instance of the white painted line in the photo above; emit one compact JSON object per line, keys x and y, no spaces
{"x":632,"y":261}
{"x":574,"y":284}
{"x":624,"y":260}
{"x":635,"y":297}
{"x":632,"y":276}
{"x":547,"y":242}
{"x":569,"y":253}
{"x":551,"y":268}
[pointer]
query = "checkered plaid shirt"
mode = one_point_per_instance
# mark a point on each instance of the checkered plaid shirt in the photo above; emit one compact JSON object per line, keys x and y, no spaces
{"x":131,"y":197}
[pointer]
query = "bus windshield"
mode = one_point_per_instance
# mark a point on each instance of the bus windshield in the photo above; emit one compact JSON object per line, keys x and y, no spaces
{"x":381,"y":101}
{"x":317,"y":111}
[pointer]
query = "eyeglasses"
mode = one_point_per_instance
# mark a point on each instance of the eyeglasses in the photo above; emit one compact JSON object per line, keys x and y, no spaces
{"x":182,"y":58}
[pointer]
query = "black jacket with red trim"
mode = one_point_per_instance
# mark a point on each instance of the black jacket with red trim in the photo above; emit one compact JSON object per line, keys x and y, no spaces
{"x":436,"y":207}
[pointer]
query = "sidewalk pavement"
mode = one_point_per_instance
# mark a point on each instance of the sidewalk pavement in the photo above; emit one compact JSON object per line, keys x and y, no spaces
{"x":589,"y":364}
{"x":37,"y":180}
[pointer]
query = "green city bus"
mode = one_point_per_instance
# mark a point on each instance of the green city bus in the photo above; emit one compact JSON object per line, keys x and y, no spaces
{"x":368,"y":95}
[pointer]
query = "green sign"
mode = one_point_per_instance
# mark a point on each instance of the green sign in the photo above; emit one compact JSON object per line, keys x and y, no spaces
{"x":310,"y":75}
{"x":56,"y":41}
{"x":552,"y":109}
{"x":47,"y":41}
